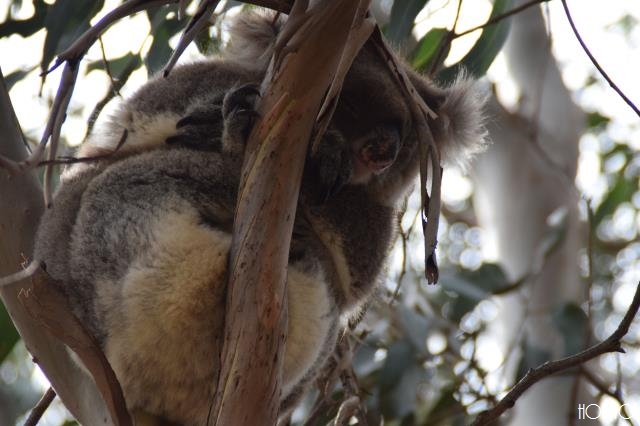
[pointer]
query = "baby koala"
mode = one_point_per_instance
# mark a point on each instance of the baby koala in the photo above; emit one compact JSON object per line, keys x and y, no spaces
{"x":140,"y":240}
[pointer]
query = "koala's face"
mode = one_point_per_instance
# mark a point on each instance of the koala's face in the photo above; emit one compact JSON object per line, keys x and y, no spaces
{"x":372,"y":116}
{"x":371,"y":138}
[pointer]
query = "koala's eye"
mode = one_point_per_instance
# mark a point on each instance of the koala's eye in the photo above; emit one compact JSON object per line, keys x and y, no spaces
{"x":393,"y":129}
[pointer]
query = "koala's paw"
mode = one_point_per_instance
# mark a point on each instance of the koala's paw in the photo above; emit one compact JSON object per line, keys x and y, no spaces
{"x":331,"y":165}
{"x":201,"y":128}
{"x":239,"y":114}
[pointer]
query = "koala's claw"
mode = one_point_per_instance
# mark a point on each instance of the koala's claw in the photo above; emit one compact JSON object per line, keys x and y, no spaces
{"x":200,"y":129}
{"x":241,"y":100}
{"x":199,"y":117}
{"x":239,"y":115}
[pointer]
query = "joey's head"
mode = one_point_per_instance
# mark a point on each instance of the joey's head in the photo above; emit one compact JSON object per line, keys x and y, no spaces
{"x":372,"y":139}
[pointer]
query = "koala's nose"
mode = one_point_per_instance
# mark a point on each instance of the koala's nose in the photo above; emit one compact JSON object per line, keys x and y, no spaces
{"x":380,"y":148}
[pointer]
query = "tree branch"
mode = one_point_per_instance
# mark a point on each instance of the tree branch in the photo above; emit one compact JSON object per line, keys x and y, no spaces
{"x":612,"y":344}
{"x":500,"y":17}
{"x":256,"y":319}
{"x":19,"y":217}
{"x":40,"y":408}
{"x":47,"y":305}
{"x":72,"y":57}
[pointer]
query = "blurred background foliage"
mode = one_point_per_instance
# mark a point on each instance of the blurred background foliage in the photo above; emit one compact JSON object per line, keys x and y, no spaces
{"x":422,"y":354}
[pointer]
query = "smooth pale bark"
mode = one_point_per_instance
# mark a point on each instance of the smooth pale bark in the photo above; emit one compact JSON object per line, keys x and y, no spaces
{"x":256,"y":309}
{"x":526,"y":175}
{"x":21,"y":205}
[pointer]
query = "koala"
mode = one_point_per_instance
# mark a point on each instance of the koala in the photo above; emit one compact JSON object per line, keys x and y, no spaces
{"x":139,"y":240}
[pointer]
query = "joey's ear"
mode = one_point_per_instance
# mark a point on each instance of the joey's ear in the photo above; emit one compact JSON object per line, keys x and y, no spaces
{"x":252,"y":37}
{"x":459,"y":130}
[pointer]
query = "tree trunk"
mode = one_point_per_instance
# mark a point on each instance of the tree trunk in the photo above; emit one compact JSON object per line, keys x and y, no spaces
{"x":21,"y":206}
{"x":526,"y":175}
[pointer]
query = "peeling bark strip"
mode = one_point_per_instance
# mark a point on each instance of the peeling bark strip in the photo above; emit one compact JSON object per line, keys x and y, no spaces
{"x":256,"y":317}
{"x":50,"y":308}
{"x":429,"y":158}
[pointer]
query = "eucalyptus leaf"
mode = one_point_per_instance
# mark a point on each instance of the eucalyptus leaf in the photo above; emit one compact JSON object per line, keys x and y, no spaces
{"x":17,"y":76}
{"x":66,"y":20}
{"x":416,"y":327}
{"x":597,"y":121}
{"x":482,"y":54}
{"x":468,"y":288}
{"x":573,"y":324}
{"x":162,"y":28}
{"x":532,"y":357}
{"x":8,"y":334}
{"x":399,"y":379}
{"x":26,"y":27}
{"x":403,"y":15}
{"x":120,"y":69}
{"x":428,"y":48}
{"x":447,"y":410}
{"x":118,"y":66}
{"x":622,"y":191}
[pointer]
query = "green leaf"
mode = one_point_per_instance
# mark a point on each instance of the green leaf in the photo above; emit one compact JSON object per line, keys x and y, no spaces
{"x":403,"y":15}
{"x":596,"y":121}
{"x":117,"y":67}
{"x":447,"y":410}
{"x":622,"y":191}
{"x":120,"y":69}
{"x":429,"y":46}
{"x":399,"y":355}
{"x":162,"y":29}
{"x":482,"y":54}
{"x":66,"y":20}
{"x":8,"y":334}
{"x":416,"y":327}
{"x":628,"y":23}
{"x":468,"y":288}
{"x":531,"y":357}
{"x":26,"y":27}
{"x":554,"y":235}
{"x":573,"y":324}
{"x":17,"y":76}
{"x":399,"y":379}
{"x":208,"y":45}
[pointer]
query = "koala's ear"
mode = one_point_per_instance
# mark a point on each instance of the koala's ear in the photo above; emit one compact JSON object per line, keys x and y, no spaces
{"x":459,"y":130}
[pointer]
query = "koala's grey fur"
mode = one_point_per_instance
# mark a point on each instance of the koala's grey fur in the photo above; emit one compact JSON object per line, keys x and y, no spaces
{"x":140,"y":240}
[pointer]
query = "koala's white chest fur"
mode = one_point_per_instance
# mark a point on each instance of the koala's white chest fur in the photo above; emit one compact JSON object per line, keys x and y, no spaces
{"x":166,"y":332}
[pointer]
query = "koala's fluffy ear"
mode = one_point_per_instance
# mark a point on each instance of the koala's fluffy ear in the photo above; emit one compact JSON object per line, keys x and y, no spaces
{"x":252,"y":36}
{"x":459,"y":128}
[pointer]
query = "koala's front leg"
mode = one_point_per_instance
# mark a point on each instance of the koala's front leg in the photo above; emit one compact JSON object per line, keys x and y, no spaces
{"x":238,"y":112}
{"x":220,"y":122}
{"x":201,"y":128}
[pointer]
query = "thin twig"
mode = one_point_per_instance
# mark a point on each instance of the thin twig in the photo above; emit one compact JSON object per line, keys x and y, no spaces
{"x":57,"y":117}
{"x":42,"y":405}
{"x":595,"y":62}
{"x":197,"y":23}
{"x":72,"y":57}
{"x":500,"y":17}
{"x":611,"y":344}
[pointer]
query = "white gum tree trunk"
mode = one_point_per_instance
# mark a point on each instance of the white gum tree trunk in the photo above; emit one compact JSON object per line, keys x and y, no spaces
{"x":526,"y":175}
